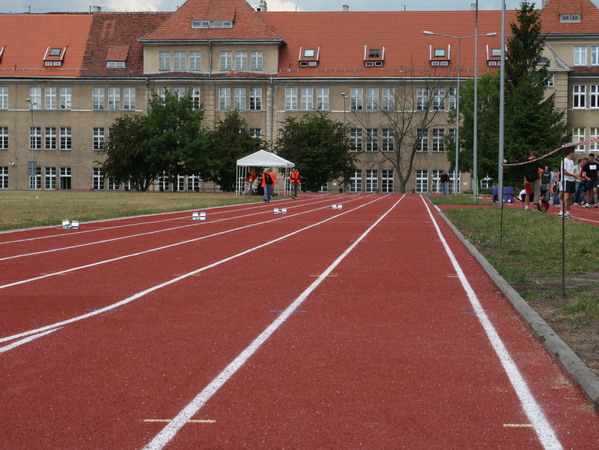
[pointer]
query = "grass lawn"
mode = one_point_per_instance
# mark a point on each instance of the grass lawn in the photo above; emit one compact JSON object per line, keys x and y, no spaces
{"x":530,"y":259}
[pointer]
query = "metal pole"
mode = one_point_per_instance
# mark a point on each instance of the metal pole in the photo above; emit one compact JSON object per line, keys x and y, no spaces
{"x":501,"y":122}
{"x":475,"y":132}
{"x":32,"y":169}
{"x":457,"y":131}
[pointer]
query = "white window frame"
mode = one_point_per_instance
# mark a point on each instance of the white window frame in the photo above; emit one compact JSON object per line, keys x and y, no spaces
{"x":66,"y":138}
{"x":50,"y":98}
{"x":196,"y":97}
{"x":387,"y":181}
{"x":129,"y":98}
{"x":322,"y":99}
{"x":3,"y":97}
{"x":51,"y":139}
{"x":421,"y":99}
{"x":388,"y":99}
{"x":421,"y":181}
{"x":98,"y":98}
{"x":356,"y":139}
{"x":239,"y":99}
{"x":66,"y":98}
{"x":35,"y":138}
{"x":35,"y":97}
{"x":594,"y":96}
{"x":226,"y":61}
{"x":3,"y":138}
{"x":179,"y":60}
{"x":578,"y":134}
{"x":3,"y":177}
{"x":579,"y":96}
{"x":593,"y":133}
{"x":355,"y":181}
{"x":97,"y":179}
{"x":372,"y":180}
{"x":241,"y":61}
{"x":290,"y":99}
{"x":257,"y":60}
{"x":595,"y":55}
{"x":307,"y":99}
{"x":114,"y":98}
{"x":195,"y":61}
{"x":50,"y":178}
{"x":98,"y":138}
{"x":372,"y":139}
{"x":66,"y":175}
{"x":255,"y":99}
{"x":423,"y":135}
{"x":372,"y":99}
{"x":224,"y":99}
{"x":580,"y":56}
{"x":438,"y":140}
{"x":164,"y":61}
{"x":388,"y":140}
{"x":439,"y":99}
{"x":356,"y":99}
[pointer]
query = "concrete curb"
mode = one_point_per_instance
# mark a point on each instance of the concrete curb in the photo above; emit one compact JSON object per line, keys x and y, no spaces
{"x":577,"y":369}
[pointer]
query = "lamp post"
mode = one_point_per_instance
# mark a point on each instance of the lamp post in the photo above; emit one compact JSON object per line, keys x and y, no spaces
{"x":457,"y":136}
{"x":32,"y":167}
{"x":344,"y":95}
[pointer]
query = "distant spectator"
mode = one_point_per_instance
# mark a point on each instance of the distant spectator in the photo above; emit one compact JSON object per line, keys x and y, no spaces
{"x":567,"y":185}
{"x":591,"y":173}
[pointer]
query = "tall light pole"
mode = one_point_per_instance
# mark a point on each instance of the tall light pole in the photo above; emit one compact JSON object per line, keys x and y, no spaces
{"x":32,"y":167}
{"x":457,"y":135}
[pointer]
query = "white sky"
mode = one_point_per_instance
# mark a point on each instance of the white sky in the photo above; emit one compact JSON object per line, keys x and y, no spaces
{"x":43,"y":6}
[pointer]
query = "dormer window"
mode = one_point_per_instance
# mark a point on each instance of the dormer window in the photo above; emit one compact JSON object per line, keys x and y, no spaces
{"x":54,"y":56}
{"x":116,"y":57}
{"x":439,"y":53}
{"x":569,"y":18}
{"x":439,"y":57}
{"x":374,"y":56}
{"x":309,"y":57}
{"x":1,"y":52}
{"x":211,"y":24}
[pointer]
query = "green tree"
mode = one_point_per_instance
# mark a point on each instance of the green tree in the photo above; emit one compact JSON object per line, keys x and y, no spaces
{"x":168,"y":139}
{"x":230,"y":141}
{"x":319,"y":147}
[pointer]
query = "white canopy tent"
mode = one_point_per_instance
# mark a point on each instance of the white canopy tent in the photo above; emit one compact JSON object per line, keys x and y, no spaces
{"x":260,"y":160}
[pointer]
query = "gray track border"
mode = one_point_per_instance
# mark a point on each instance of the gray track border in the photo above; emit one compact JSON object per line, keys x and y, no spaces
{"x":578,"y":370}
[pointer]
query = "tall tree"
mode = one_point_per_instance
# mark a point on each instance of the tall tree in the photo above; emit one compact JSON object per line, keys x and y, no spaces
{"x":319,"y":147}
{"x":230,"y":141}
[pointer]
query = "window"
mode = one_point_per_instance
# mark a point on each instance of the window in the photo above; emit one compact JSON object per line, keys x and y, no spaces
{"x":439,"y":99}
{"x":98,"y":98}
{"x":421,"y":181}
{"x":224,"y":99}
{"x":307,"y":99}
{"x":550,"y":81}
{"x":179,"y":92}
{"x":3,"y":97}
{"x":196,"y":98}
{"x":3,"y":138}
{"x":112,"y":184}
{"x":50,"y":138}
{"x":35,"y":138}
{"x":356,"y":139}
{"x":129,"y":102}
{"x":256,"y":133}
{"x":179,"y":60}
{"x":50,"y":178}
{"x":372,"y":180}
{"x":486,"y":182}
{"x":65,"y":98}
{"x":35,"y":181}
{"x":98,"y":139}
{"x":578,"y":134}
{"x":439,"y":53}
{"x":453,"y":95}
{"x":374,"y":53}
{"x":388,"y":143}
{"x":255,"y":99}
{"x":594,"y":56}
{"x":594,"y":96}
{"x":372,"y":99}
{"x":387,"y":180}
{"x":239,"y":99}
{"x":438,"y":140}
{"x":114,"y":98}
{"x":241,"y":61}
{"x":257,"y":60}
{"x":290,"y":99}
{"x":226,"y":61}
{"x":162,"y":91}
{"x":436,"y":185}
{"x":3,"y":177}
{"x":65,"y":178}
{"x":164,"y":61}
{"x":97,"y":179}
{"x":372,"y":141}
{"x":422,"y":140}
{"x":195,"y":61}
{"x":356,"y":100}
{"x":35,"y":97}
{"x":309,"y":53}
{"x":580,"y":56}
{"x":594,"y":133}
{"x":322,"y":99}
{"x":355,"y":181}
{"x":194,"y":183}
{"x":65,"y":138}
{"x":50,"y":98}
{"x":579,"y":96}
{"x":388,"y":99}
{"x":421,"y":99}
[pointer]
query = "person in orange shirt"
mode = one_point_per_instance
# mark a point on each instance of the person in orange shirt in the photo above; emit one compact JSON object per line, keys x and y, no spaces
{"x":249,"y":181}
{"x":269,"y":181}
{"x":295,"y":179}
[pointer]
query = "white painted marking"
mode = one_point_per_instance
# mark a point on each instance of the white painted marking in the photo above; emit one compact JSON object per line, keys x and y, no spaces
{"x":170,"y":430}
{"x":179,"y":278}
{"x":26,"y":340}
{"x":531,"y":408}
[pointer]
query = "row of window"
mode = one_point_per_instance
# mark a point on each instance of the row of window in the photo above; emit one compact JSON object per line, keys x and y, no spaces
{"x":585,"y":96}
{"x":581,"y":133}
{"x":181,"y":61}
{"x":50,"y":178}
{"x":582,"y":53}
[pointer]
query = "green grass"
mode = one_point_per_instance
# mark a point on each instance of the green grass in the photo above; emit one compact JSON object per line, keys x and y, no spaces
{"x":24,"y":209}
{"x":460,"y":199}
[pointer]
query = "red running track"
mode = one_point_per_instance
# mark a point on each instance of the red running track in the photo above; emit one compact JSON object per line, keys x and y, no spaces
{"x":369,"y":326}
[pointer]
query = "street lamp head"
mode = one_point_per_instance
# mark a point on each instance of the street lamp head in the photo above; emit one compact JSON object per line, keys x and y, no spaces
{"x":491,"y":34}
{"x":427,"y":32}
{"x":343,"y":94}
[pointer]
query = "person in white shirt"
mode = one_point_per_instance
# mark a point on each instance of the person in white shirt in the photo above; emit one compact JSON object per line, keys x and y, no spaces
{"x":568,"y":182}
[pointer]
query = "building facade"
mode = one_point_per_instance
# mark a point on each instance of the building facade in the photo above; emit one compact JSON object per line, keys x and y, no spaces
{"x":65,"y":78}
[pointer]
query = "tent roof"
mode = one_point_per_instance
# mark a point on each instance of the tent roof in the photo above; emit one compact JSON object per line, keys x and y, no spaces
{"x":262,"y":158}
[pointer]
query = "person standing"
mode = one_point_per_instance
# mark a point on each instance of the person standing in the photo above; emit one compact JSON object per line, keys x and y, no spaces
{"x":580,"y":184}
{"x":531,"y":175}
{"x":591,"y":173}
{"x":295,"y":179}
{"x":444,"y":179}
{"x":567,"y":186}
{"x":269,"y":182}
{"x":546,"y":184}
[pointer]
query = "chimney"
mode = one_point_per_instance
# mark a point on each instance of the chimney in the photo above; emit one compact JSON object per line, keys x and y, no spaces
{"x":96,"y":9}
{"x":263,"y":6}
{"x":345,"y":8}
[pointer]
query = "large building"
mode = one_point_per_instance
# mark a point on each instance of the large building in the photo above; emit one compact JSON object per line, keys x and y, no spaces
{"x":65,"y":78}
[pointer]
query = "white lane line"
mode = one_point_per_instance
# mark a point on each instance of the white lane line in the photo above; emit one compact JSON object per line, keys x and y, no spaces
{"x":147,"y":233}
{"x":179,"y":278}
{"x":26,"y":340}
{"x":531,"y":408}
{"x":170,"y":430}
{"x":131,"y":255}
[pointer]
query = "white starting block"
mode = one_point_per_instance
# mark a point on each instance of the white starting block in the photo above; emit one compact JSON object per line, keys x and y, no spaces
{"x":338,"y":206}
{"x":198,"y":216}
{"x":280,"y":211}
{"x":68,"y":225}
{"x":75,"y":225}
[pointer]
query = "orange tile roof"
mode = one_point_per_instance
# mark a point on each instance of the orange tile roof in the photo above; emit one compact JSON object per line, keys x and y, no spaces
{"x":589,"y":15}
{"x":342,"y":36}
{"x":248,"y":25}
{"x":27,"y":37}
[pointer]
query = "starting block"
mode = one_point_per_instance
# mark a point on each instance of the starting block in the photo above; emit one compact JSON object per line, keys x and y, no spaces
{"x":280,"y":211}
{"x":198,"y":216}
{"x":75,"y":225}
{"x":338,"y":206}
{"x":68,"y":225}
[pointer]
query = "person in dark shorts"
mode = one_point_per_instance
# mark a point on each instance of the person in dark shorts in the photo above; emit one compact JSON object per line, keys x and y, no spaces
{"x":567,"y":184}
{"x":591,"y":173}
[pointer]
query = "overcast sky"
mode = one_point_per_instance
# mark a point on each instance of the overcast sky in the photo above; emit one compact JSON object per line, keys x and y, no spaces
{"x":43,"y":6}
